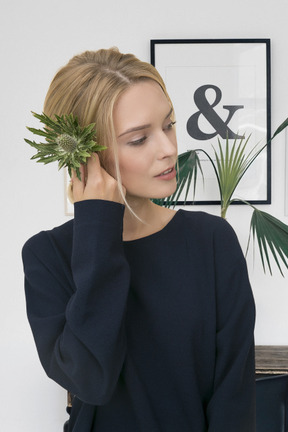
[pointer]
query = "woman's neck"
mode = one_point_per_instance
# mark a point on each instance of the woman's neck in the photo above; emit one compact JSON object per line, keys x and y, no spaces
{"x":147,"y":219}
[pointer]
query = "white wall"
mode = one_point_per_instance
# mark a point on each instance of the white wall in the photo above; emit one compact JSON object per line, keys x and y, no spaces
{"x":37,"y":37}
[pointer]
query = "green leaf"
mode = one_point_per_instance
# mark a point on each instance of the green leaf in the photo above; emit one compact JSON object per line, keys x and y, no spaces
{"x":231,"y":165}
{"x":281,"y":128}
{"x":271,"y":235}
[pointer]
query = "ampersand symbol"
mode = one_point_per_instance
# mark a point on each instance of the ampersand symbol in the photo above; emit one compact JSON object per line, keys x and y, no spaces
{"x":206,"y":109}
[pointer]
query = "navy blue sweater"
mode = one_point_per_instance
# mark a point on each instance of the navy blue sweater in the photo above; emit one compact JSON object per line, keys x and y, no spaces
{"x":150,"y":335}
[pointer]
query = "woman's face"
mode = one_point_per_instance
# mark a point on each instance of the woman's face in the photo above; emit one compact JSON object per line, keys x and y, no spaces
{"x":147,"y":147}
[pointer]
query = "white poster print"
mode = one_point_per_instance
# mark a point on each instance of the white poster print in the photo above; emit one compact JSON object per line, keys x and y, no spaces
{"x":219,"y":90}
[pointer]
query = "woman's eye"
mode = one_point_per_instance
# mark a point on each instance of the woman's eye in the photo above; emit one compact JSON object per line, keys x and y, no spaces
{"x":170,"y":125}
{"x":138,"y":141}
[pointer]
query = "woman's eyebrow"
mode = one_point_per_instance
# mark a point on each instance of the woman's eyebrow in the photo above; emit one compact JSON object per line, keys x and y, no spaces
{"x":169,"y":113}
{"x":145,"y":126}
{"x":135,"y":129}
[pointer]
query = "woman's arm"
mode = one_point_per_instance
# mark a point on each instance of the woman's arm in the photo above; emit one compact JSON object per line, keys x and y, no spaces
{"x":77,"y":310}
{"x":232,"y":407}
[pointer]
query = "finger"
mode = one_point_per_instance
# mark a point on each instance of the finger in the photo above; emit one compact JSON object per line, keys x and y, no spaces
{"x":93,"y":168}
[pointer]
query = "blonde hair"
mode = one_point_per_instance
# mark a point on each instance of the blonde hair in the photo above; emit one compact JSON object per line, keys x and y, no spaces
{"x":89,"y":86}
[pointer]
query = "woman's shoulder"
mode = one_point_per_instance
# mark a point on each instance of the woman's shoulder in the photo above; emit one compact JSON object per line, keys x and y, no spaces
{"x":201,"y":219}
{"x":58,"y":237}
{"x":206,"y":227}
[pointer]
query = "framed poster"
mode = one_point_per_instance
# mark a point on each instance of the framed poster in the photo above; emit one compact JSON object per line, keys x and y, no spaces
{"x":220,"y":88}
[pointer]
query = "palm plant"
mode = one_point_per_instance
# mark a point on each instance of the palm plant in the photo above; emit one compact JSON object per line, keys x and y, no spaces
{"x":230,"y":165}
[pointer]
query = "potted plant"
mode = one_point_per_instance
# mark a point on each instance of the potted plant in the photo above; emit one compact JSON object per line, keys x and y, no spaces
{"x":230,"y":165}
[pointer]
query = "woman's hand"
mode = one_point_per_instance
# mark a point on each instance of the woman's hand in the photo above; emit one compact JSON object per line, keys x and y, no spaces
{"x":95,"y":183}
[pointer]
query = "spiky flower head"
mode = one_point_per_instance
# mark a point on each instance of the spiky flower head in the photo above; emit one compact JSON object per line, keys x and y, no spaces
{"x":67,"y":142}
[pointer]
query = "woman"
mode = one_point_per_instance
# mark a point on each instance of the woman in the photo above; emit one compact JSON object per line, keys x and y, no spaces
{"x":144,"y":314}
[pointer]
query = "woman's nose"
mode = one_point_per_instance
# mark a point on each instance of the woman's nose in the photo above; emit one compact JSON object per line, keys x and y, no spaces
{"x":167,"y":145}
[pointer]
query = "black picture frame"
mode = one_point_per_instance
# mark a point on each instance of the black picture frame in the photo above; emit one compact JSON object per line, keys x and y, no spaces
{"x":237,"y":73}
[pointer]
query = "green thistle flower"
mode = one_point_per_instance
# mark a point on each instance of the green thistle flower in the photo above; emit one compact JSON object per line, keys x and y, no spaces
{"x":67,"y":142}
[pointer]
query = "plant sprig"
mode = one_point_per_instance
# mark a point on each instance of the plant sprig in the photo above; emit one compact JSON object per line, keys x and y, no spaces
{"x":67,"y":142}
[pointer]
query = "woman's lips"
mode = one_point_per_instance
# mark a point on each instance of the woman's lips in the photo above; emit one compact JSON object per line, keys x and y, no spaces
{"x":168,"y":174}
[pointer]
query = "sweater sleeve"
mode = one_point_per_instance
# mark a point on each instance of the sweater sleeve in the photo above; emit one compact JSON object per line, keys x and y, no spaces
{"x":232,"y":406}
{"x":76,"y":303}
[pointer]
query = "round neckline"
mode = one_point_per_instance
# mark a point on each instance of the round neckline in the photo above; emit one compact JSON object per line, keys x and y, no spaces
{"x":155,"y":234}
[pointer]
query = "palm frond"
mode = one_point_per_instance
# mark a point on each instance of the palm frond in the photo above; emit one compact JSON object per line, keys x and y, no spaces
{"x":231,"y":164}
{"x":283,"y":125}
{"x":280,"y":128}
{"x":271,"y":235}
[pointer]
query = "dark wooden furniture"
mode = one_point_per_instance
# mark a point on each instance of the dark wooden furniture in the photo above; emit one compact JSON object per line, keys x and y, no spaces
{"x":271,"y":388}
{"x":271,"y":359}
